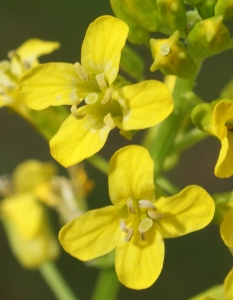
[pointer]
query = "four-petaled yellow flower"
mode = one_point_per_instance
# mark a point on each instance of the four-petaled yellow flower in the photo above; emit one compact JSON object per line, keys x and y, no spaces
{"x":110,"y":100}
{"x":216,"y":119}
{"x":137,"y":222}
{"x":21,"y":60}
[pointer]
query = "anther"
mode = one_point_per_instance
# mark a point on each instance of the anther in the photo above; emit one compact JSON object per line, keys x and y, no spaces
{"x":146,"y":204}
{"x":128,"y":235}
{"x":130,"y":207}
{"x":128,"y":231}
{"x":74,"y":98}
{"x":107,"y":97}
{"x":154,"y":214}
{"x":108,"y":120}
{"x":101,"y":82}
{"x":165,"y":49}
{"x":75,"y":114}
{"x":81,"y":72}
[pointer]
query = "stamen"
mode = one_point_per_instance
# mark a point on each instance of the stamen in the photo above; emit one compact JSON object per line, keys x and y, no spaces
{"x":129,"y":234}
{"x":73,"y":111}
{"x":130,"y":207}
{"x":154,"y":214}
{"x":81,"y":72}
{"x":4,"y":65}
{"x":144,"y":226}
{"x":91,"y":98}
{"x":74,"y":98}
{"x":107,"y":97}
{"x":165,"y":49}
{"x":123,"y":225}
{"x":129,"y":231}
{"x":146,"y":204}
{"x":109,"y":121}
{"x":101,"y":82}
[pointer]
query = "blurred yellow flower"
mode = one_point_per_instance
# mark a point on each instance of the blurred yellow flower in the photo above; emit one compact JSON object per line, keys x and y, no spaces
{"x":24,"y":217}
{"x":20,"y":61}
{"x":137,"y":222}
{"x":110,"y":100}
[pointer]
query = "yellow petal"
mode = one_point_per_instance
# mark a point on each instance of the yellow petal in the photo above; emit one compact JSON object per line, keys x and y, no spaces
{"x":224,"y":165}
{"x":51,"y":84}
{"x":28,"y":53}
{"x":25,"y":213}
{"x":223,"y":111}
{"x":102,"y":45}
{"x":131,"y":172}
{"x":228,"y":285}
{"x":93,"y":234}
{"x":31,"y":173}
{"x":139,"y":263}
{"x":190,"y":210}
{"x":34,"y":48}
{"x":78,"y":139}
{"x":226,"y":230}
{"x":144,"y":104}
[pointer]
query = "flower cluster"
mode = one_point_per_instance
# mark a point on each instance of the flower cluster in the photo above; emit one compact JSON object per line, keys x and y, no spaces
{"x":145,"y":207}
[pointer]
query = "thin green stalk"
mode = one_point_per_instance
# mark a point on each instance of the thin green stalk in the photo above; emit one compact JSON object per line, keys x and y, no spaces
{"x":188,"y":139}
{"x":166,"y":132}
{"x":107,"y":285}
{"x":167,"y":186}
{"x":99,"y":162}
{"x":56,"y":282}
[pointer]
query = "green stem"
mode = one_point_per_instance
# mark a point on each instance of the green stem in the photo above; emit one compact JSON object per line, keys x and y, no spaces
{"x":188,"y":139}
{"x":165,"y":133}
{"x":107,"y":285}
{"x":99,"y":162}
{"x":167,"y":186}
{"x":56,"y":282}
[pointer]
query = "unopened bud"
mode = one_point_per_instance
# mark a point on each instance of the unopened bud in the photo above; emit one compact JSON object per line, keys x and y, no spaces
{"x":145,"y":15}
{"x":171,"y":57}
{"x":172,"y":13}
{"x":209,"y":37}
{"x":206,"y":8}
{"x":224,"y":8}
{"x":137,"y":34}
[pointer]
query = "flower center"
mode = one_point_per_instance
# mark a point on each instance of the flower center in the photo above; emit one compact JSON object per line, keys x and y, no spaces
{"x":146,"y":212}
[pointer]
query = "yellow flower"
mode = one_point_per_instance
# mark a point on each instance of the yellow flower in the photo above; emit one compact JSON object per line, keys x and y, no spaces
{"x":25,"y":219}
{"x":20,"y":61}
{"x":136,"y":223}
{"x":216,"y":119}
{"x":226,"y":230}
{"x":110,"y":100}
{"x":222,"y":122}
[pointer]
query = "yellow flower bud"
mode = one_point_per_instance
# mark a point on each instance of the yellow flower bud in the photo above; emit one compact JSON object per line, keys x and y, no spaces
{"x":137,"y":34}
{"x":144,"y":13}
{"x":224,"y":8}
{"x":171,"y":57}
{"x":209,"y":37}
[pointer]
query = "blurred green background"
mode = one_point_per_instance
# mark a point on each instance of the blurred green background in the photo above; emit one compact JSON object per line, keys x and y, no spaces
{"x":192,"y":263}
